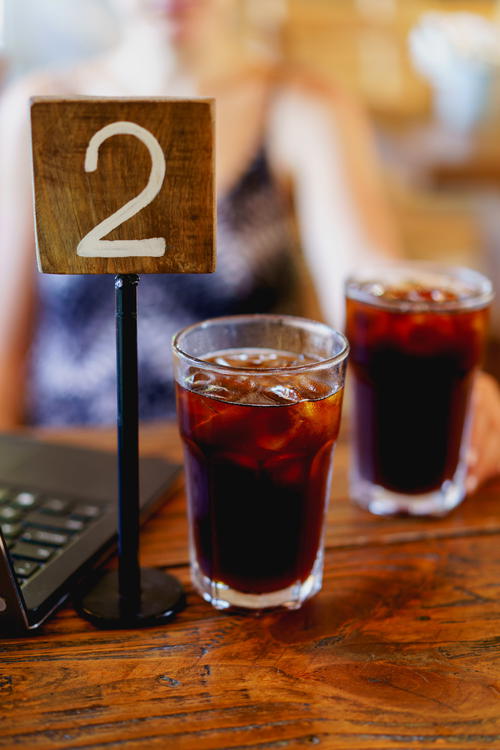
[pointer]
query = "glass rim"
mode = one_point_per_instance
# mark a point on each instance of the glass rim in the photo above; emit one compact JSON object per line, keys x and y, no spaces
{"x":479,"y":298}
{"x":292,"y":369}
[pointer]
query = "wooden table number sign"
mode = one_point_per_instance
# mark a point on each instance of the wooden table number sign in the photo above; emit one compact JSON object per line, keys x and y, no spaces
{"x":125,"y":187}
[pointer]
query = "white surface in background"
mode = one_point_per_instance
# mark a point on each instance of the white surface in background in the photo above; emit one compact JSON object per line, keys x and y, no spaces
{"x":440,"y":39}
{"x":457,"y":53}
{"x":38,"y":33}
{"x":2,"y":22}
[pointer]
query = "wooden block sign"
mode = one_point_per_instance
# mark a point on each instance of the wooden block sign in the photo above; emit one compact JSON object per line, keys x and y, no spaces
{"x":123,"y":185}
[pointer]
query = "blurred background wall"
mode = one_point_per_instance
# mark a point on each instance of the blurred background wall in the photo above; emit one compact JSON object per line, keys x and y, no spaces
{"x":37,"y":33}
{"x":430,"y":84}
{"x":361,"y":43}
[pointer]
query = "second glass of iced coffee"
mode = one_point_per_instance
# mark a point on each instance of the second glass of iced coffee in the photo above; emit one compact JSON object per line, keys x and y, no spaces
{"x":417,"y":332}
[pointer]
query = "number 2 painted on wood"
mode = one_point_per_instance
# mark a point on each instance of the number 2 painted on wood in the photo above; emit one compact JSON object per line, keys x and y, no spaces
{"x":92,"y":245}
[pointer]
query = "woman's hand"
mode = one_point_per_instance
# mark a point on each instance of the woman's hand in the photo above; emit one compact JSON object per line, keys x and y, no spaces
{"x":483,"y":460}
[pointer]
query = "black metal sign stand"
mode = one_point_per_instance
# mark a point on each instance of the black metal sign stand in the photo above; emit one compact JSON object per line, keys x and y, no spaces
{"x":131,"y":596}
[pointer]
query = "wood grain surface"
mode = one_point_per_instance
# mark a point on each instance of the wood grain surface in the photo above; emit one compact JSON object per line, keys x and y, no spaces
{"x":70,"y":202}
{"x":400,"y":649}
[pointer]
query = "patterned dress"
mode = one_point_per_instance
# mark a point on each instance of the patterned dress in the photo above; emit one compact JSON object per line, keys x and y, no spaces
{"x":73,"y":359}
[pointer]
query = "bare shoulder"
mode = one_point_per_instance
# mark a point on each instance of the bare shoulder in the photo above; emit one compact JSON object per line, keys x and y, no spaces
{"x":304,"y":90}
{"x":15,"y":99}
{"x":312,"y":115}
{"x":41,"y":83}
{"x":304,"y":118}
{"x":53,"y":82}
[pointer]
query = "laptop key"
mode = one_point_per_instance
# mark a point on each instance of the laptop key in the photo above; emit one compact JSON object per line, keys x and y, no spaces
{"x":86,"y":512}
{"x":55,"y":505}
{"x":25,"y":568}
{"x":4,"y":495}
{"x":11,"y":530}
{"x":40,"y":536}
{"x":34,"y":552}
{"x":7,"y":513}
{"x":25,"y":500}
{"x":57,"y":523}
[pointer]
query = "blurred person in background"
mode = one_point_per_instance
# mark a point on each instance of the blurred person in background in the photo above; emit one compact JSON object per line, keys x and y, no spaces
{"x":289,"y":151}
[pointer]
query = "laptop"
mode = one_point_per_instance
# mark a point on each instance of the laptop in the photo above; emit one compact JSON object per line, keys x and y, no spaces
{"x":58,"y":521}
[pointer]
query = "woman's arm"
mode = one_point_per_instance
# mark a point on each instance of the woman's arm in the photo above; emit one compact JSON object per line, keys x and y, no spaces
{"x":17,"y":254}
{"x":484,"y":455}
{"x":321,"y":140}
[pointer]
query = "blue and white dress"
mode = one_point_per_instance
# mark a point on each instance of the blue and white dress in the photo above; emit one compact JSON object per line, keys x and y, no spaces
{"x":72,"y":377}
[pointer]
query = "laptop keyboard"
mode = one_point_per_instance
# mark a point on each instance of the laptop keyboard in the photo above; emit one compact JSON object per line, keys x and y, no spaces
{"x":37,"y":528}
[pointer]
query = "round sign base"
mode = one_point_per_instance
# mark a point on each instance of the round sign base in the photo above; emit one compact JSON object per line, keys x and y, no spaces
{"x":161,"y":597}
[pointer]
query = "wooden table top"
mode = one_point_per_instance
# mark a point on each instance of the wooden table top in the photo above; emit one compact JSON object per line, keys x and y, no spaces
{"x":400,"y":649}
